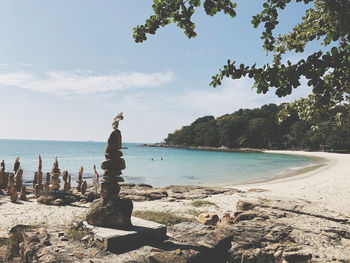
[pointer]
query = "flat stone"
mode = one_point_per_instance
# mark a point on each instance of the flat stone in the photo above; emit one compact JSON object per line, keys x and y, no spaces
{"x":117,"y":164}
{"x":113,"y":155}
{"x":113,"y":173}
{"x":141,"y":233}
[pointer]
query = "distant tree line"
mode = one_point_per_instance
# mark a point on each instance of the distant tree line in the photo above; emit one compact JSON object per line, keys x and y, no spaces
{"x":262,"y":128}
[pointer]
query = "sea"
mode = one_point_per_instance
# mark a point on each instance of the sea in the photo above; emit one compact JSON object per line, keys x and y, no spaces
{"x":150,"y":165}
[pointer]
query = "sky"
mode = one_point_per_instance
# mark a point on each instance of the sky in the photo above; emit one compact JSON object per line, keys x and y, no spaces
{"x":68,"y":67}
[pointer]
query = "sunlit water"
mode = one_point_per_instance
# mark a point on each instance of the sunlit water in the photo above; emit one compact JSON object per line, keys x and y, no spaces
{"x":179,"y":166}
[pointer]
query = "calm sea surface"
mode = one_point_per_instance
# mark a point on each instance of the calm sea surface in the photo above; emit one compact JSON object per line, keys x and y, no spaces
{"x":177,"y":167}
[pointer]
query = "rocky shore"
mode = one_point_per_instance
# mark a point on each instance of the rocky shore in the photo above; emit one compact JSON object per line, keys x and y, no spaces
{"x":305,"y":218}
{"x":254,"y":230}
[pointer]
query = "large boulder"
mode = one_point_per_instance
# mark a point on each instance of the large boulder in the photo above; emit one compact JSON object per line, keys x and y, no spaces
{"x":115,"y":213}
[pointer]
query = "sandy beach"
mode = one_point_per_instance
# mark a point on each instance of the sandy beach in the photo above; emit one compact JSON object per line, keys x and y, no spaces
{"x":327,"y":187}
{"x":313,"y":203}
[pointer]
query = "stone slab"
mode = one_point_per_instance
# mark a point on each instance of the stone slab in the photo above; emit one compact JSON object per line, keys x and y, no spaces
{"x":142,"y":233}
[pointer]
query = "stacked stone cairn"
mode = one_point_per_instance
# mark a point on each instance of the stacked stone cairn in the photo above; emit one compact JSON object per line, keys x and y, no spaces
{"x":110,"y":210}
{"x":18,"y":179}
{"x":10,"y":184}
{"x":3,"y":178}
{"x":65,"y":176}
{"x":16,"y":165}
{"x":55,"y":180}
{"x":11,"y":189}
{"x":23,"y":195}
{"x":38,"y":179}
{"x":80,"y":178}
{"x":47,"y":182}
{"x":84,"y":187}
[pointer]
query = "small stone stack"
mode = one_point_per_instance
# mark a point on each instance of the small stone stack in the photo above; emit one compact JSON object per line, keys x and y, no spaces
{"x":18,"y":179}
{"x":80,"y":178}
{"x":2,"y":175}
{"x":10,"y":184}
{"x":110,"y":210}
{"x":23,"y":195}
{"x":47,"y":182}
{"x":14,"y":195}
{"x":16,"y":165}
{"x":66,"y":186}
{"x":84,"y":187}
{"x":40,"y":174}
{"x":55,"y":180}
{"x":2,"y":164}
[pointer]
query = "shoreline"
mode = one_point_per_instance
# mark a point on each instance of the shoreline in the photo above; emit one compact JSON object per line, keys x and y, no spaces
{"x":312,"y":207}
{"x":202,"y":148}
{"x":289,"y":173}
{"x":327,"y":185}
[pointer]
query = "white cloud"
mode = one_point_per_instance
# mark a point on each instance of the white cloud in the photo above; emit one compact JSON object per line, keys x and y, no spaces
{"x":78,"y":82}
{"x":233,"y":95}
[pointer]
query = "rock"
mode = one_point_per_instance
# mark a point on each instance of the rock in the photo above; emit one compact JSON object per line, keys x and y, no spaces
{"x":166,"y":257}
{"x":58,"y":201}
{"x":111,"y":172}
{"x":80,"y":178}
{"x":245,"y":205}
{"x":42,"y":232}
{"x":83,"y":187}
{"x":115,"y":164}
{"x":257,"y":256}
{"x":91,"y":196}
{"x":64,"y":238}
{"x":296,"y":256}
{"x":47,"y":182}
{"x":49,"y":258}
{"x":114,"y":155}
{"x":227,"y":219}
{"x":48,"y":200}
{"x":114,"y":143}
{"x":14,"y":195}
{"x":54,"y":180}
{"x":31,"y":243}
{"x":36,"y":190}
{"x":86,"y":238}
{"x":23,"y":195}
{"x":208,"y":218}
{"x":249,"y":215}
{"x":114,"y":213}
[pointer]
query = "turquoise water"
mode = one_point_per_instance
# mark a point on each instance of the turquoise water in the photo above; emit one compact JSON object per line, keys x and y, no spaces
{"x":178,"y":166}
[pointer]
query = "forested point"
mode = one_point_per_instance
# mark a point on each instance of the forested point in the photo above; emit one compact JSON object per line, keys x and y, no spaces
{"x":262,"y":128}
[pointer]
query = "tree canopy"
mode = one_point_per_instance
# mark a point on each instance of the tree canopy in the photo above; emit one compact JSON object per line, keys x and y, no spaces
{"x":327,"y":71}
{"x":260,"y":128}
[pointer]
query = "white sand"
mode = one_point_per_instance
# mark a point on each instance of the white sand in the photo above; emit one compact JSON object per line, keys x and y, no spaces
{"x":33,"y":213}
{"x":328,"y":187}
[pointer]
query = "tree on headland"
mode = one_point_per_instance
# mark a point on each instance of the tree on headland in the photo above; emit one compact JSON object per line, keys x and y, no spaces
{"x":260,"y":128}
{"x":326,"y":71}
